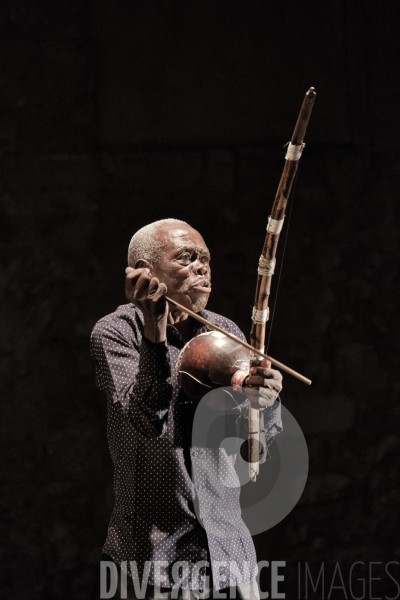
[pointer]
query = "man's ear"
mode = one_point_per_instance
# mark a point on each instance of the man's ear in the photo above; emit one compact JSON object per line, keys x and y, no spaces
{"x":141,"y":263}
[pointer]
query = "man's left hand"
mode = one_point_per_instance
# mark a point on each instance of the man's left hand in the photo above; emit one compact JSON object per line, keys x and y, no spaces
{"x":263,"y":385}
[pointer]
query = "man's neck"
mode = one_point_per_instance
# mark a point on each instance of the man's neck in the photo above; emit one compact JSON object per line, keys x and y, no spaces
{"x":185,"y":328}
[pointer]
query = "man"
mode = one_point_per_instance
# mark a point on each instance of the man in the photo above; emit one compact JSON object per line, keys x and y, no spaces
{"x":135,"y":349}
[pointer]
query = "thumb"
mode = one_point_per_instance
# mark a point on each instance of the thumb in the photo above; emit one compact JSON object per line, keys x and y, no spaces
{"x":265,"y":363}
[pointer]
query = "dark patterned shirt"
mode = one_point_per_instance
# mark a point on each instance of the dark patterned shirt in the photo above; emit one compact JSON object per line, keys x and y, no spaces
{"x":159,"y":476}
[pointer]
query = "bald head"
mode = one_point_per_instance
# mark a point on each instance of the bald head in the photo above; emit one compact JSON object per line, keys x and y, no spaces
{"x":149,"y":241}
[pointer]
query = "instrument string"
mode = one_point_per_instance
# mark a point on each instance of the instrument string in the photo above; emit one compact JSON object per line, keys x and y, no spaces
{"x":291,"y":200}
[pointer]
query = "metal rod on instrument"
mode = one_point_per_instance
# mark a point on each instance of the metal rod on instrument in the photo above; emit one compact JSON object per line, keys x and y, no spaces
{"x":239,"y":341}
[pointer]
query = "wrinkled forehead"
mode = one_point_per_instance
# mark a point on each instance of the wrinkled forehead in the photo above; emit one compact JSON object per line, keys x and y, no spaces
{"x":177,"y":236}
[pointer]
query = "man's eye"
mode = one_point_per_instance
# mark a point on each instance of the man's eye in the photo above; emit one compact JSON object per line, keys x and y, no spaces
{"x":185,"y":257}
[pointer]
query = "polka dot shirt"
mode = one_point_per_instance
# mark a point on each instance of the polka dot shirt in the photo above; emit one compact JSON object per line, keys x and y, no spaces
{"x":160,"y":480}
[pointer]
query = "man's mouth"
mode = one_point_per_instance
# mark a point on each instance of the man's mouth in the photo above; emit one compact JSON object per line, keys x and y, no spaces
{"x":202,"y":286}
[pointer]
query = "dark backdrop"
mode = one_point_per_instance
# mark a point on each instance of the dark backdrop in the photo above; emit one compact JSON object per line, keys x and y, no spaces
{"x":116,"y":113}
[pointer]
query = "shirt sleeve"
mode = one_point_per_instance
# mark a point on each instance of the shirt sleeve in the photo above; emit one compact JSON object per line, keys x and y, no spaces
{"x":134,"y":374}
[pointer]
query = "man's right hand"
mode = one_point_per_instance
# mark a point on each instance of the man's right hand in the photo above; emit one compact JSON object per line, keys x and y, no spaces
{"x":147,"y":293}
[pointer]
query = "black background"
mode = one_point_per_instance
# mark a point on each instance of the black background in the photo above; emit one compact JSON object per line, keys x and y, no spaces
{"x":116,"y":113}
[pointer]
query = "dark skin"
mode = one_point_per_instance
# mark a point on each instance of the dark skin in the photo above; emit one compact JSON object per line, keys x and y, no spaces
{"x":184,"y":271}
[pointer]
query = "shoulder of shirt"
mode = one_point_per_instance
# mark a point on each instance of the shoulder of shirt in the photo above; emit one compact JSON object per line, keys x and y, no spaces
{"x":125,"y":320}
{"x":223,"y":322}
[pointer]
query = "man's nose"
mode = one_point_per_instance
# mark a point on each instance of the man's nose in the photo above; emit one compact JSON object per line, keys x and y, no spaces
{"x":200,"y":268}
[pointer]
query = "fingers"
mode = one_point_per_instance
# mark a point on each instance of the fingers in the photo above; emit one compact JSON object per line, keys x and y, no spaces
{"x":134,"y":273}
{"x":133,"y":276}
{"x":156,"y":289}
{"x":160,"y":292}
{"x":146,"y":292}
{"x":265,"y":373}
{"x":149,"y":289}
{"x":145,"y":284}
{"x":153,"y":286}
{"x":266,"y":398}
{"x":266,"y":384}
{"x":262,"y":398}
{"x":136,"y":282}
{"x":259,"y":381}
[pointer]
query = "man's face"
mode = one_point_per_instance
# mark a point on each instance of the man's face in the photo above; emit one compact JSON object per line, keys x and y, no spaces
{"x":184,"y":266}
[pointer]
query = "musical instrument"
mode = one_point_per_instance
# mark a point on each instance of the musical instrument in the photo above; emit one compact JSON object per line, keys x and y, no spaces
{"x":209,"y":360}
